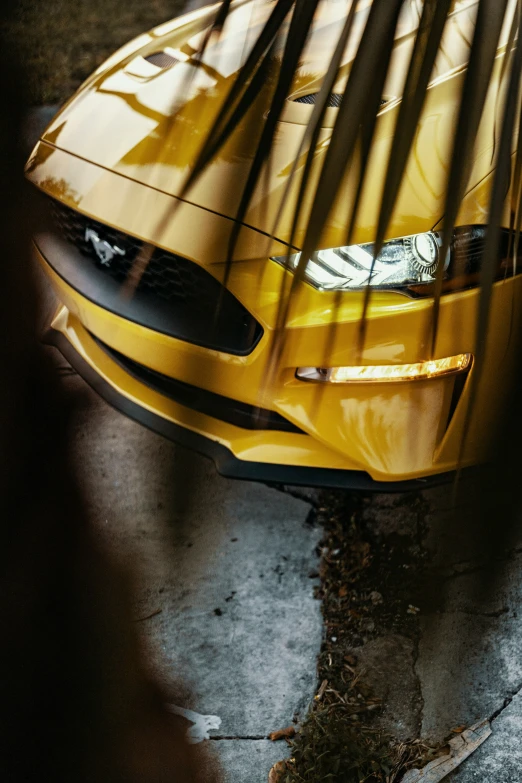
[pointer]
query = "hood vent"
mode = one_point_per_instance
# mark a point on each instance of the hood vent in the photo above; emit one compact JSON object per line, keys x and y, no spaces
{"x":161,"y":60}
{"x":334,"y":101}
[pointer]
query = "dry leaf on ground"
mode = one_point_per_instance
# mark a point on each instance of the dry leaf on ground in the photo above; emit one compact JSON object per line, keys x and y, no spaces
{"x":287,"y":733}
{"x":274,"y":776}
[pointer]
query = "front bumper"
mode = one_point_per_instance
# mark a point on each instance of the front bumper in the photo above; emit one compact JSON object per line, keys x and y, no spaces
{"x":89,"y":336}
{"x":224,"y":460}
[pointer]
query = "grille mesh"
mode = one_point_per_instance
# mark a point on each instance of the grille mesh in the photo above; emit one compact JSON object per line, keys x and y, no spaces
{"x":183,"y":298}
{"x":161,"y":60}
{"x":168,"y":276}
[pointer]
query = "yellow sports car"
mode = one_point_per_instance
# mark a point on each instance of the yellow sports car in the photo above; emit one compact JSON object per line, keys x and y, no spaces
{"x":186,"y":347}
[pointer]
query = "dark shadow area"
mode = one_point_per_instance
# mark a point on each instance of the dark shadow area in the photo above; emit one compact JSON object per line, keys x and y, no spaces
{"x":78,"y":699}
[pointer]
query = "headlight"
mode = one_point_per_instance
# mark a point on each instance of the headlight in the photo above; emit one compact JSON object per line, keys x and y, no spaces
{"x":402,"y":262}
{"x":409,"y":265}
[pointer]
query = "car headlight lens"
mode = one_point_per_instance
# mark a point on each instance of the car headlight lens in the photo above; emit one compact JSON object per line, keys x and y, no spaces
{"x":409,"y":265}
{"x":407,"y":261}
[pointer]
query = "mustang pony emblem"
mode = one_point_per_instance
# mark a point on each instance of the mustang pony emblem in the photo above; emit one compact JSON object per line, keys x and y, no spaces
{"x":103,"y":249}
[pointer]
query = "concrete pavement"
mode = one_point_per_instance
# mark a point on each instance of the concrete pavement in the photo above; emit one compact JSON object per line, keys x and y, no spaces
{"x":470,"y":651}
{"x":224,"y":599}
{"x":461,"y":662}
{"x":499,"y":760}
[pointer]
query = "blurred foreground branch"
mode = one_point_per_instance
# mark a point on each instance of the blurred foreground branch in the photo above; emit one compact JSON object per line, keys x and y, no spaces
{"x":77,"y":702}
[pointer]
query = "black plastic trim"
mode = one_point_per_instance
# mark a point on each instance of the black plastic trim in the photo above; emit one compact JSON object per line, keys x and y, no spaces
{"x":240,"y":414}
{"x":226,"y":463}
{"x":235,"y":331}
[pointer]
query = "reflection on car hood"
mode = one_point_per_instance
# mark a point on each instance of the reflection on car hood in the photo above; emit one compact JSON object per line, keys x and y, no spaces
{"x":146,"y":116}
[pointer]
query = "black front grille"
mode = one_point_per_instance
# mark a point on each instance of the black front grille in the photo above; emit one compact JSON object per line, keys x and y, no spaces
{"x":171,"y":277}
{"x":170,"y":286}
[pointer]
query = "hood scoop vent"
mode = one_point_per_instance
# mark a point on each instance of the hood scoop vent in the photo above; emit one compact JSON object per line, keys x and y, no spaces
{"x":161,"y":60}
{"x":334,"y":100}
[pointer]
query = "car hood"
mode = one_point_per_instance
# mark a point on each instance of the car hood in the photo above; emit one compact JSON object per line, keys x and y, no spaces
{"x":145,"y":117}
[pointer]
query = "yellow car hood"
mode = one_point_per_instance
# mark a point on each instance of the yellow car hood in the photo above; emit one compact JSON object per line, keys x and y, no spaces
{"x":147,"y":122}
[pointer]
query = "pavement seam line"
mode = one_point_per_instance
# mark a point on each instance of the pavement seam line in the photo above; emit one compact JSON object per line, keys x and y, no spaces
{"x":255,"y":737}
{"x":506,"y":703}
{"x":295,"y":493}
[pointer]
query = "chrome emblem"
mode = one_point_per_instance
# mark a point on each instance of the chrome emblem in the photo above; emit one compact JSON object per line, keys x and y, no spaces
{"x":103,"y":249}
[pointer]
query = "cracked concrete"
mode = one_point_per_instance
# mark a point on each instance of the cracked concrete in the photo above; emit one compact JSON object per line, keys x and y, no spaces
{"x":470,"y":648}
{"x":499,"y":760}
{"x":468,"y":658}
{"x":507,"y":702}
{"x":466,"y":666}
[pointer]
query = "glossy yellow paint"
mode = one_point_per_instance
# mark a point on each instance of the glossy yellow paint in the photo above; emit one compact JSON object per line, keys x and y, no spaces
{"x":119,"y":152}
{"x":150,"y":129}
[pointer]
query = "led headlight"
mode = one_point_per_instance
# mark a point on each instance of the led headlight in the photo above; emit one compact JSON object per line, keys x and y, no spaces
{"x":407,"y":261}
